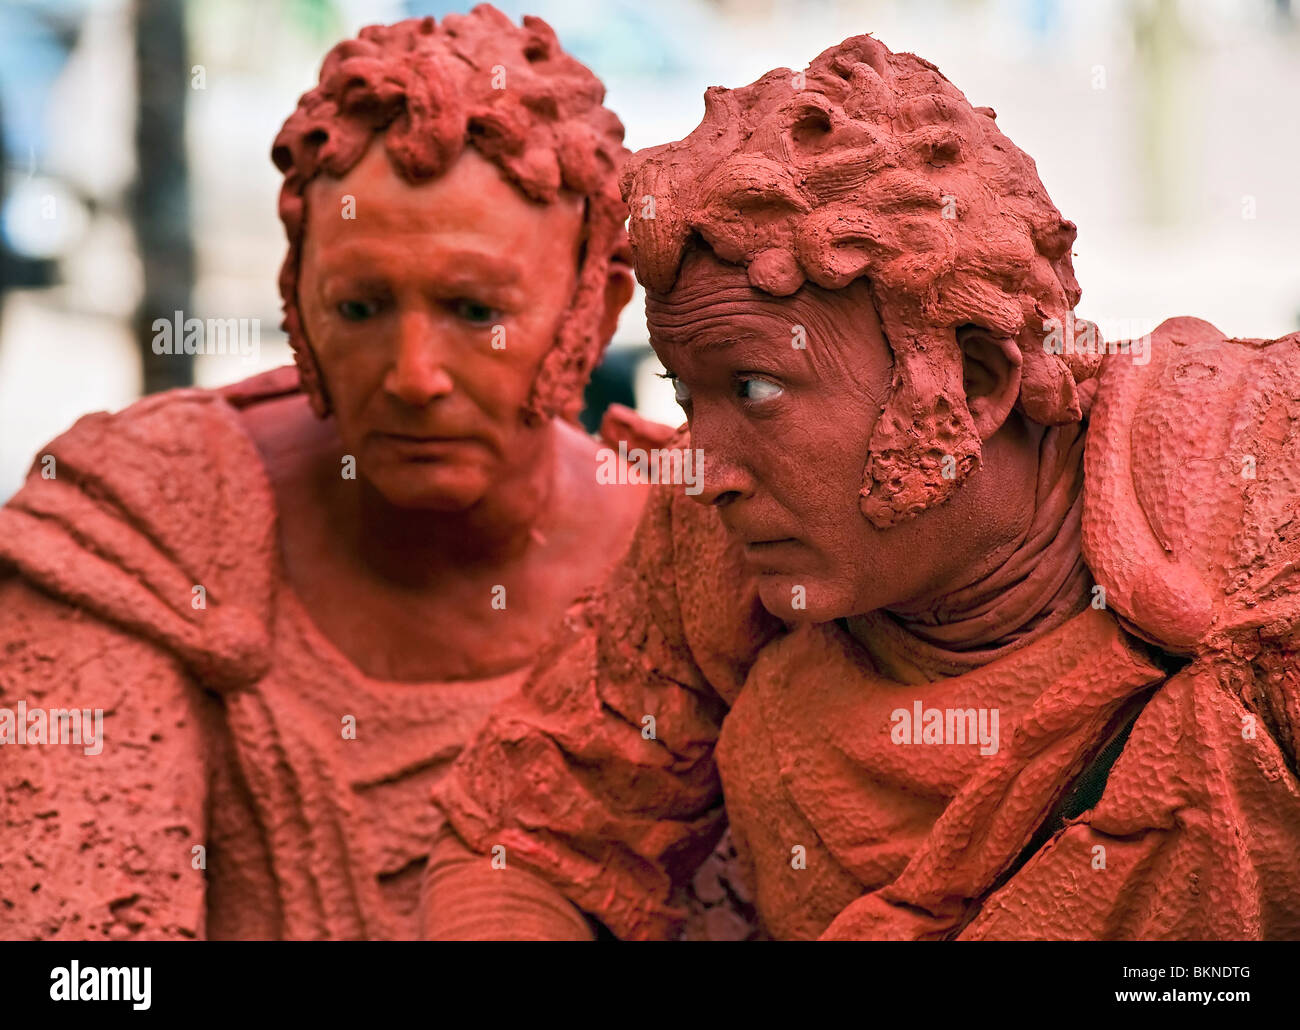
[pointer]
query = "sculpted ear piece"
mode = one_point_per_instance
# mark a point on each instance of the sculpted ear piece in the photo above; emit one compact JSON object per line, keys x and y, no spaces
{"x":928,"y":438}
{"x":991,"y":368}
{"x":313,"y":384}
{"x":925,"y":442}
{"x":619,"y":288}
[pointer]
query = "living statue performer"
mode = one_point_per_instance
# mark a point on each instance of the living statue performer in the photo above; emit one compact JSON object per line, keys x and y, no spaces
{"x":294,"y":599}
{"x":977,"y":633}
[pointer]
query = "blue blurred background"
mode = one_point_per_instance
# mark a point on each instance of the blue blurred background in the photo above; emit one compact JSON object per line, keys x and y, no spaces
{"x":136,"y":175}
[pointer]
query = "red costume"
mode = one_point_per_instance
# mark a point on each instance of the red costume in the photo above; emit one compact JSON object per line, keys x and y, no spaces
{"x":1139,"y":644}
{"x":1180,"y":762}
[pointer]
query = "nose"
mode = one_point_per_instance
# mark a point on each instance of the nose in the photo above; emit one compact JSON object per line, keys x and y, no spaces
{"x":417,"y":375}
{"x":724,"y":475}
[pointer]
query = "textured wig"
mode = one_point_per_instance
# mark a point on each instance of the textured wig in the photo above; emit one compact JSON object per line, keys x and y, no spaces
{"x":431,"y":89}
{"x":872,"y":164}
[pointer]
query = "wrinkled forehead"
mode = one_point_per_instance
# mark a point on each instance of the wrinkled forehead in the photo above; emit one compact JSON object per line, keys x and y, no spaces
{"x":707,"y":290}
{"x":714,"y":301}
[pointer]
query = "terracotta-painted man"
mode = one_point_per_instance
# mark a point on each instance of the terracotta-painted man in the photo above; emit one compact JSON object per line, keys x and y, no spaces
{"x":293,"y":600}
{"x":978,"y":633}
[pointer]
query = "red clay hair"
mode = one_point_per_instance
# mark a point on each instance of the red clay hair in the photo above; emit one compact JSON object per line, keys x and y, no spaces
{"x":478,"y":79}
{"x":872,"y":164}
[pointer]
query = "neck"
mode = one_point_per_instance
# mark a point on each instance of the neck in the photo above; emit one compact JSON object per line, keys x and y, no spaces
{"x":1034,"y":584}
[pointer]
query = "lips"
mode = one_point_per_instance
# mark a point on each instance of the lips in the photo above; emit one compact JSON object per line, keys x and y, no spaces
{"x":767,"y":550}
{"x":758,"y":537}
{"x":752,"y":534}
{"x":425,"y":446}
{"x":407,"y":438}
{"x":772,"y":557}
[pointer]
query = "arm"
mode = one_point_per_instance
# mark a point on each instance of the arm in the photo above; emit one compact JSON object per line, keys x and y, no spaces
{"x":598,"y":777}
{"x":476,"y":902}
{"x":98,"y":838}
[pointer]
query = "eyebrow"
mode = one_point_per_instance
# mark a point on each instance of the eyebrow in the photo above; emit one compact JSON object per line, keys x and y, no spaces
{"x":470,"y":264}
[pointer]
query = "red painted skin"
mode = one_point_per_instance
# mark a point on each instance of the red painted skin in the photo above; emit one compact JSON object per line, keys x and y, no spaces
{"x":475,"y":496}
{"x":922,"y":505}
{"x":228,"y":801}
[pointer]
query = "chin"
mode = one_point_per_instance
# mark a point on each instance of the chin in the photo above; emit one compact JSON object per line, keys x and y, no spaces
{"x":821,"y":602}
{"x":430,"y":488}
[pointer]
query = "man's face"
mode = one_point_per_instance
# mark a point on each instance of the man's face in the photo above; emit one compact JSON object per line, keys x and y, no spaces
{"x":429,"y":313}
{"x":782,"y":394}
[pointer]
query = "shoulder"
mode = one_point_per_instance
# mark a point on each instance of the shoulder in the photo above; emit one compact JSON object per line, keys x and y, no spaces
{"x":60,"y":654}
{"x":124,"y":776}
{"x":186,"y":452}
{"x":127,"y":515}
{"x":1192,"y":469}
{"x":602,"y":506}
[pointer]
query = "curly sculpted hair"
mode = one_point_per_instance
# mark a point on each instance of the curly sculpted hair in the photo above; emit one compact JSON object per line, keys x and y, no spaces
{"x":872,"y":164}
{"x":429,"y":89}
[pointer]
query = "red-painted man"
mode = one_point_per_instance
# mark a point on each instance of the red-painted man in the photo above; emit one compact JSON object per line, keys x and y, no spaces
{"x":295,"y":598}
{"x":1032,"y":674}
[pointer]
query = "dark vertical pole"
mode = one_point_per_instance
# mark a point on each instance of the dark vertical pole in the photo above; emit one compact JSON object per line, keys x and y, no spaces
{"x":4,"y":196}
{"x":160,"y":200}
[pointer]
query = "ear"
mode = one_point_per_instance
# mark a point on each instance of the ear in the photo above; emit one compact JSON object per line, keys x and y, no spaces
{"x":619,"y":287}
{"x":991,"y":376}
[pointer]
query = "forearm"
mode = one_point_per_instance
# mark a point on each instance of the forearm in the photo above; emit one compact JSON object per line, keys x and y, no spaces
{"x":100,"y":832}
{"x":467,"y":899}
{"x":598,"y":775}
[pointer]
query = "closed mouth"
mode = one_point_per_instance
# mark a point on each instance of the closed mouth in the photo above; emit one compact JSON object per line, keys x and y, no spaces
{"x":413,"y":438}
{"x":428,"y":449}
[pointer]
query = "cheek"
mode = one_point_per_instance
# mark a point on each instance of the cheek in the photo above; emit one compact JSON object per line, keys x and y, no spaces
{"x":352,"y":369}
{"x":502,"y":377}
{"x":814,"y":466}
{"x":846,"y":575}
{"x":340,"y":364}
{"x":511,"y":366}
{"x":816,"y":475}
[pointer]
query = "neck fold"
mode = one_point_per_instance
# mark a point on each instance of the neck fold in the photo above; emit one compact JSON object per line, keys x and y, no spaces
{"x":1038,"y":588}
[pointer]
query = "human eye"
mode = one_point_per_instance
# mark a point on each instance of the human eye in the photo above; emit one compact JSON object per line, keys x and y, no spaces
{"x":475,"y":312}
{"x":757,"y":390}
{"x":357,"y":310}
{"x":680,"y":392}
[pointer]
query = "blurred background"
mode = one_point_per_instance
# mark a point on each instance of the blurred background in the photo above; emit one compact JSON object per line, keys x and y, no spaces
{"x":136,"y":178}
